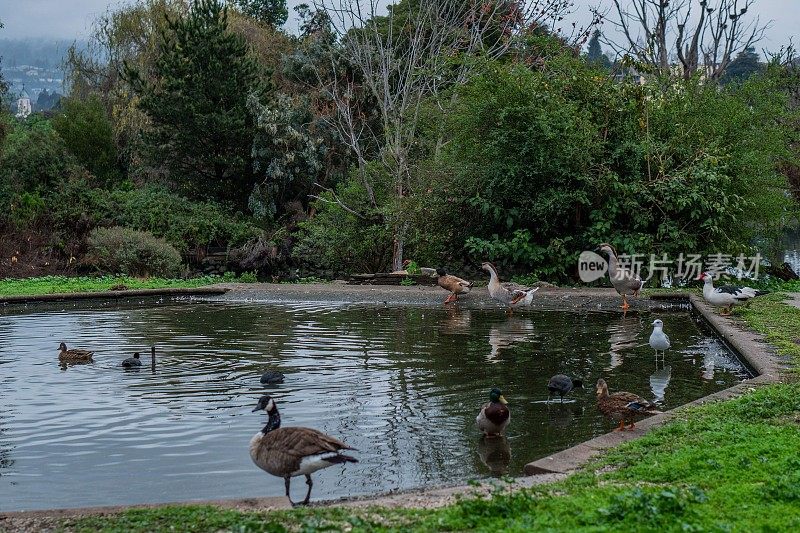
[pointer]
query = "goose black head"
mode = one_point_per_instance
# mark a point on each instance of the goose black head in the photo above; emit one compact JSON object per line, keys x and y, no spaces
{"x":495,"y":395}
{"x":265,"y":403}
{"x":441,"y":272}
{"x":136,"y":355}
{"x":62,"y":347}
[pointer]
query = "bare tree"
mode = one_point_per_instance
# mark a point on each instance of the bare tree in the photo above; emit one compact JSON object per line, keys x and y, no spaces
{"x":698,"y":35}
{"x":398,"y":59}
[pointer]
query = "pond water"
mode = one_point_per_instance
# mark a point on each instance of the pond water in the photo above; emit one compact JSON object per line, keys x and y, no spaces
{"x":401,"y":384}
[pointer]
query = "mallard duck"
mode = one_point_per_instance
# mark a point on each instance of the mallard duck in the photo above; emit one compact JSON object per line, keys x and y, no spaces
{"x":292,"y":452}
{"x":623,"y":406}
{"x":272,"y":377}
{"x":561,"y":384}
{"x":658,"y":339}
{"x":728,"y":295}
{"x":453,"y":284}
{"x":625,"y":281}
{"x":495,"y":415}
{"x":131,"y":362}
{"x":510,"y":294}
{"x":73,"y":356}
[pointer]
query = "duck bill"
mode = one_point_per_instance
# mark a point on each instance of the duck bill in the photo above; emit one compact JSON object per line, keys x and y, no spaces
{"x":502,"y":400}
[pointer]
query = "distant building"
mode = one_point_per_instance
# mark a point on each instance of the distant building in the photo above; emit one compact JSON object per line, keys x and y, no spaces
{"x":24,"y":104}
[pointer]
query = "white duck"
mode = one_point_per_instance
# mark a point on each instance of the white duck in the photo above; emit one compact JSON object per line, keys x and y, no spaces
{"x":625,"y":281}
{"x":728,"y":295}
{"x":658,"y":339}
{"x":511,"y":294}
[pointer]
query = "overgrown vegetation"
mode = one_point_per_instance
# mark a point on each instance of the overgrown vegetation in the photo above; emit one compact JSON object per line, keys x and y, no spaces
{"x":207,"y":125}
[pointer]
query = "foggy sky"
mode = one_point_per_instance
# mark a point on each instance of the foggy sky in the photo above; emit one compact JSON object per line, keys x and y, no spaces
{"x":71,"y":19}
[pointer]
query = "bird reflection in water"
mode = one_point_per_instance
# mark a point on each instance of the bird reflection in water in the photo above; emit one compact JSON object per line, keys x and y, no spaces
{"x":659,"y":380}
{"x":495,"y":453}
{"x":563,"y":415}
{"x":622,"y":336}
{"x":456,"y":322}
{"x":506,"y":334}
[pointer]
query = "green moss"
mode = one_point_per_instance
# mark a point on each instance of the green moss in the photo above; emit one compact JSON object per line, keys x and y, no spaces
{"x":64,"y":284}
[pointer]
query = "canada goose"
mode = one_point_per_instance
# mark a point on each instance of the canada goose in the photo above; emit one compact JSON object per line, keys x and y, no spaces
{"x":292,"y":452}
{"x":73,"y":356}
{"x":623,"y":406}
{"x":625,"y":281}
{"x":511,"y":294}
{"x":131,"y":362}
{"x":494,"y":416}
{"x":271,"y":377}
{"x":727,"y":295}
{"x":561,"y":384}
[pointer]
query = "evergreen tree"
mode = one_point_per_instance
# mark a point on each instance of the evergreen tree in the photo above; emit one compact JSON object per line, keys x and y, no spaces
{"x":272,"y":12}
{"x":595,"y":55}
{"x":196,"y":99}
{"x":3,"y":85}
{"x":745,"y":64}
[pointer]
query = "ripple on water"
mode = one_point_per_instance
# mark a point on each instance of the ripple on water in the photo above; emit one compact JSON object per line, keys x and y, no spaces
{"x":403,"y":385}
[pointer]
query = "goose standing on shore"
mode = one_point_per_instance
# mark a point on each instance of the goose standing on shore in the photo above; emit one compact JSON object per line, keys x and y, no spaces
{"x":511,"y":294}
{"x":658,"y":339}
{"x":728,"y":295}
{"x":623,"y":406}
{"x":292,"y":452}
{"x":494,"y":416}
{"x":74,"y":355}
{"x":454,"y":284}
{"x":625,"y":281}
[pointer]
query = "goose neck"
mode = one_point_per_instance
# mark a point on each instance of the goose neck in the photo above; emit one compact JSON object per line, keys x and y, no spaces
{"x":274,"y":422}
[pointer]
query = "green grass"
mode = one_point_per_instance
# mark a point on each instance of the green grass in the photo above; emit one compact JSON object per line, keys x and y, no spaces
{"x":727,"y":466}
{"x":64,"y":284}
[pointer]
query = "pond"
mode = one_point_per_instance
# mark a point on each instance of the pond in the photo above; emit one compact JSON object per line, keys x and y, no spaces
{"x":401,"y":384}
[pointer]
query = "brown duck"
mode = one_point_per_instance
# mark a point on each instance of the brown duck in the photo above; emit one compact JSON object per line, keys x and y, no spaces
{"x":623,"y":406}
{"x":494,"y":416}
{"x":453,"y":284}
{"x":292,"y":452}
{"x":73,"y":356}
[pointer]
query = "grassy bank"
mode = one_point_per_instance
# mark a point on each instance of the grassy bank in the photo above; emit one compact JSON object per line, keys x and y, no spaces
{"x":64,"y":284}
{"x":729,"y":466}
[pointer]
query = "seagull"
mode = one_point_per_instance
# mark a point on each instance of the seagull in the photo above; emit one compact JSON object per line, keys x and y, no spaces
{"x":658,"y":339}
{"x":728,"y":295}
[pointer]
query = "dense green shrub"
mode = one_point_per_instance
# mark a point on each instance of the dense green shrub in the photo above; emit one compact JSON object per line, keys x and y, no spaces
{"x":33,"y":156}
{"x":135,"y":253}
{"x":183,"y":223}
{"x":551,"y":162}
{"x":88,"y":135}
{"x":354,"y":239}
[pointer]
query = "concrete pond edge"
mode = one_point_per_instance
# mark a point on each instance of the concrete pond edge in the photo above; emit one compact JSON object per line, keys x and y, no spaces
{"x":749,"y":346}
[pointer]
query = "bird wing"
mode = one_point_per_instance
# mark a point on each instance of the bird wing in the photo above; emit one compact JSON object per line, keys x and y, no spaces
{"x":282,"y":449}
{"x":515,"y":288}
{"x":632,"y":401}
{"x":739,"y":293}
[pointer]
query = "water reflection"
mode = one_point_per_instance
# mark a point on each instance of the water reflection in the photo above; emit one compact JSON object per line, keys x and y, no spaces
{"x":400,"y":384}
{"x":622,"y":337}
{"x":659,"y":381}
{"x":495,"y":454}
{"x":506,"y":334}
{"x":456,"y":322}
